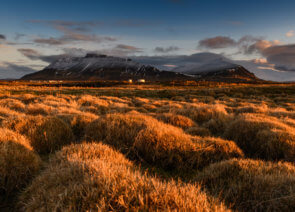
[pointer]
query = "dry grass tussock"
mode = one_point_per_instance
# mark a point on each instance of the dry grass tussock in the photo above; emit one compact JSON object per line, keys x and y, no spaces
{"x":252,"y":185}
{"x":18,"y":162}
{"x":176,"y":120}
{"x":39,"y":109}
{"x":164,"y":145}
{"x":78,"y":122}
{"x":93,"y":177}
{"x":261,"y":136}
{"x":199,"y":134}
{"x":46,"y":134}
{"x":13,"y":104}
{"x":215,"y":116}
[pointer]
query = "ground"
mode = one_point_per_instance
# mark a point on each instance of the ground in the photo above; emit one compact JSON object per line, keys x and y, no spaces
{"x":205,"y":147}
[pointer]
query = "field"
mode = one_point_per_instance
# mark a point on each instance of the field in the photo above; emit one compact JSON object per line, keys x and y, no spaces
{"x":202,"y":147}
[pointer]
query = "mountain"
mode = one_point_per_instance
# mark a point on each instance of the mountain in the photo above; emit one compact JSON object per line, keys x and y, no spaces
{"x":232,"y":74}
{"x":203,"y":66}
{"x":101,"y":67}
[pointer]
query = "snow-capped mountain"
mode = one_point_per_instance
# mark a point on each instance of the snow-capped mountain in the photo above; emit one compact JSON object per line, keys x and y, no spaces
{"x":206,"y":66}
{"x":96,"y":67}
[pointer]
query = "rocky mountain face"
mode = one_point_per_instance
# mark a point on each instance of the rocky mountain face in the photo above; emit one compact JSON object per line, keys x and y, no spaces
{"x":101,"y":67}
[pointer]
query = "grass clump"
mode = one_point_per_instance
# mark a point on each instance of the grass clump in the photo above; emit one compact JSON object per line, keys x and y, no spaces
{"x":78,"y":122}
{"x":18,"y":162}
{"x":176,"y":120}
{"x":264,"y":137}
{"x":46,"y":134}
{"x":119,"y":130}
{"x":146,"y":139}
{"x":252,"y":185}
{"x":93,"y":177}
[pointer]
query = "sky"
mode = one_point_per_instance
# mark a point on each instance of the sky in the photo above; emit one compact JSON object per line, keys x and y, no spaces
{"x":259,"y":34}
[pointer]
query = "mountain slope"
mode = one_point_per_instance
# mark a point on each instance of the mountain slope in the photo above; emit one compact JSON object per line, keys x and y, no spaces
{"x":101,"y":67}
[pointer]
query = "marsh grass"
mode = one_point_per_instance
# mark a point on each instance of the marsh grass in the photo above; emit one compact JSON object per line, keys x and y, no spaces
{"x":148,"y":147}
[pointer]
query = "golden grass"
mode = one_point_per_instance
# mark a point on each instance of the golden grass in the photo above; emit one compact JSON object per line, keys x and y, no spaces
{"x":18,"y":162}
{"x":171,"y":132}
{"x":252,"y":185}
{"x":145,"y":138}
{"x":46,"y":134}
{"x":176,"y":120}
{"x":78,"y":122}
{"x":261,"y":136}
{"x":93,"y":177}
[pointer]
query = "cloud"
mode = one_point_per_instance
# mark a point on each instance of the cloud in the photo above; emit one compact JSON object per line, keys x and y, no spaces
{"x":2,"y":37}
{"x":290,"y":33}
{"x":14,"y":71}
{"x":72,"y":32}
{"x":259,"y":46}
{"x":167,"y":49}
{"x":49,"y":41}
{"x":217,"y":42}
{"x":128,"y":48}
{"x":30,"y":53}
{"x":282,"y":56}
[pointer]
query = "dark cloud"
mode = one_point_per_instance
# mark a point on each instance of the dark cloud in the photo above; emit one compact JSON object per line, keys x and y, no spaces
{"x":35,"y":55}
{"x":167,"y":49}
{"x":72,"y":32}
{"x":217,"y":42}
{"x":246,"y":44}
{"x":49,"y":41}
{"x":282,"y":56}
{"x":30,"y":53}
{"x":2,"y":37}
{"x":128,"y":48}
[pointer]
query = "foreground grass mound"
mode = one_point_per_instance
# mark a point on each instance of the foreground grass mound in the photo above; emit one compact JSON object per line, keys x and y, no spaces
{"x":252,"y":185}
{"x":119,"y":130}
{"x":93,"y":177}
{"x":264,"y":137}
{"x":18,"y":163}
{"x":78,"y":122}
{"x":171,"y":148}
{"x":146,"y":139}
{"x":46,"y":134}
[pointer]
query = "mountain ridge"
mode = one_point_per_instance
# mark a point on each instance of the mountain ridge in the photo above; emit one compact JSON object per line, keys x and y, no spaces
{"x":102,"y":67}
